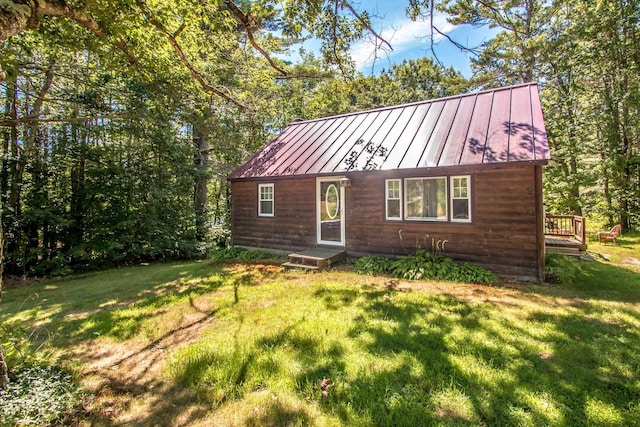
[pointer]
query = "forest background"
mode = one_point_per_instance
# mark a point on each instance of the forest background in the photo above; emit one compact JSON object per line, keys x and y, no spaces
{"x":120,"y":120}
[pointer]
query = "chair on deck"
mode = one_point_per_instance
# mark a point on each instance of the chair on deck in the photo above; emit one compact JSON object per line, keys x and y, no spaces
{"x":611,"y":235}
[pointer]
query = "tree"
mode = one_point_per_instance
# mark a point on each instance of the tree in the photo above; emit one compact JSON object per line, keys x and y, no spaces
{"x":613,"y":53}
{"x":4,"y":373}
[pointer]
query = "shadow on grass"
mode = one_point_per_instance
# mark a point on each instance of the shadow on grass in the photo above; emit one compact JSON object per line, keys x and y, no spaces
{"x":157,"y":404}
{"x":82,"y":309}
{"x":496,"y":368}
{"x":394,"y":331}
{"x":279,"y":414}
{"x":594,"y":279}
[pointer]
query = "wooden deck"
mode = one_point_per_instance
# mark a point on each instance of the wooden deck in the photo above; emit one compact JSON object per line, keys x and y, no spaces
{"x":317,"y":258}
{"x":565,"y":234}
{"x":564,"y":245}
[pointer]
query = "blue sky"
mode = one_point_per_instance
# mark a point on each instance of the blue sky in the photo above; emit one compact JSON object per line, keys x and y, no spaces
{"x":408,"y":39}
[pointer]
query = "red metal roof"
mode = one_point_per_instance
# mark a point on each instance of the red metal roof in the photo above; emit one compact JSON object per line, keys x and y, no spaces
{"x":502,"y":125}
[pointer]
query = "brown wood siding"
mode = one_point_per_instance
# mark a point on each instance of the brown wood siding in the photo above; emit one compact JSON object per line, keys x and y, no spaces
{"x":291,"y":227}
{"x":503,"y":235}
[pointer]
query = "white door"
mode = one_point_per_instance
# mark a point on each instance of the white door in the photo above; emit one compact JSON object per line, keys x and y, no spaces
{"x":330,"y":211}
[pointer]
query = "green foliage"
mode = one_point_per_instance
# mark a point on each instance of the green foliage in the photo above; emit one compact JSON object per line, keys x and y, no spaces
{"x":39,"y":395}
{"x":221,"y":237}
{"x":423,"y":265}
{"x":240,"y":254}
{"x":562,"y":269}
{"x":417,"y":266}
{"x":372,"y":265}
{"x":20,"y":348}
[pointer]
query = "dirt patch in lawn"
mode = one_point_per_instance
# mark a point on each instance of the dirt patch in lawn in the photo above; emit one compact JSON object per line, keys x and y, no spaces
{"x":128,"y":384}
{"x":13,"y":282}
{"x":635,"y":262}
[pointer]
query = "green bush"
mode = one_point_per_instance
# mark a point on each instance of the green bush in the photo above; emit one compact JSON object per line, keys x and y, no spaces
{"x":417,"y":266}
{"x":20,"y":352}
{"x":240,"y":254}
{"x":38,"y":396}
{"x":221,"y":237}
{"x":372,"y":265}
{"x":561,"y":269}
{"x":423,"y":265}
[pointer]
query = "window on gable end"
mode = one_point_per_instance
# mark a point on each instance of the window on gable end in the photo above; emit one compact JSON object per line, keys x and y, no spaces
{"x":265,"y":200}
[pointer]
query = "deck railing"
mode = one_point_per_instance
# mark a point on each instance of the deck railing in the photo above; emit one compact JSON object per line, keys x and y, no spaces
{"x":570,"y":226}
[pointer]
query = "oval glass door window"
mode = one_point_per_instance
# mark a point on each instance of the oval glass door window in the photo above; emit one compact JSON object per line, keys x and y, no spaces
{"x":332,"y":201}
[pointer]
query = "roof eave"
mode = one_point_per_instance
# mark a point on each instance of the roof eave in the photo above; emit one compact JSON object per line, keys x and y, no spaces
{"x":447,"y":170}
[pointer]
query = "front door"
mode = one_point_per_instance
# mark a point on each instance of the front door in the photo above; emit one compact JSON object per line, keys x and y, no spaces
{"x":330,"y":207}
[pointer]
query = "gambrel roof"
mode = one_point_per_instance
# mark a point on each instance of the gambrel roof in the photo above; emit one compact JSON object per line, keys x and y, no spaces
{"x":503,"y":125}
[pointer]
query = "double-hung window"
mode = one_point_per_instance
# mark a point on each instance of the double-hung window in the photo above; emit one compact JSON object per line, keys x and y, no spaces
{"x":460,"y":199}
{"x":265,"y":199}
{"x":393,"y":191}
{"x":426,"y":199}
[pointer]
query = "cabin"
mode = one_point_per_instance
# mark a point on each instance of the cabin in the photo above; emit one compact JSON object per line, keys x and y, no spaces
{"x":461,"y":176}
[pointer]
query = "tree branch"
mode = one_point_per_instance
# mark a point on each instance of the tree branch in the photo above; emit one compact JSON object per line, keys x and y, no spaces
{"x":433,"y":29}
{"x":60,"y":8}
{"x":249,"y":23}
{"x":365,"y":24}
{"x":183,"y":57}
{"x":460,"y":46}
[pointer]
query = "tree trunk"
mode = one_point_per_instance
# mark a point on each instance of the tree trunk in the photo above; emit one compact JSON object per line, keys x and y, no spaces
{"x":4,"y":373}
{"x":574,"y":190}
{"x":201,"y":160}
{"x":4,"y":378}
{"x":78,"y":197}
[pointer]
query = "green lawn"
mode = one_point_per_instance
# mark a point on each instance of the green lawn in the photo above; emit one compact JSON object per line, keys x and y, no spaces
{"x":249,"y":344}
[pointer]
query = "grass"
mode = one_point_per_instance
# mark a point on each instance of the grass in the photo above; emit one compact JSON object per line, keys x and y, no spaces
{"x":229,"y":343}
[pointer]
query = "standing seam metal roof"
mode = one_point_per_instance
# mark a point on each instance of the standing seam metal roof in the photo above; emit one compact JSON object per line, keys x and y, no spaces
{"x":501,"y":125}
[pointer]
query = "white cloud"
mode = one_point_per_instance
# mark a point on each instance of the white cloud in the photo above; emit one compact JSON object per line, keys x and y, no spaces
{"x":402,"y":35}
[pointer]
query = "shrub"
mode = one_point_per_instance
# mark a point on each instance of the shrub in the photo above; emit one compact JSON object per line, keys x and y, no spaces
{"x":240,"y":254}
{"x":19,"y":349}
{"x":561,"y":269}
{"x":38,"y":396}
{"x":424,"y":265}
{"x":372,"y":265}
{"x":221,"y":237}
{"x":474,"y":274}
{"x":419,"y":265}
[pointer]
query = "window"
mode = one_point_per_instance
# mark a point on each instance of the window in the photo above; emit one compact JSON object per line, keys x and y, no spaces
{"x":265,"y":199}
{"x":460,"y":196}
{"x":393,"y":199}
{"x":426,"y":198}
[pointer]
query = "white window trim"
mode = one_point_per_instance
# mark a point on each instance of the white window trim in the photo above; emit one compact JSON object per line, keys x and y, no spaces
{"x":446,"y":196}
{"x":272,"y":200}
{"x":386,"y":199}
{"x":468,"y":198}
